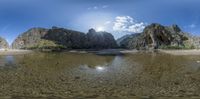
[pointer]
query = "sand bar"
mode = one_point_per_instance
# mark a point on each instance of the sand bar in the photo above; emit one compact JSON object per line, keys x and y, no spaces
{"x":14,"y":52}
{"x":182,"y":52}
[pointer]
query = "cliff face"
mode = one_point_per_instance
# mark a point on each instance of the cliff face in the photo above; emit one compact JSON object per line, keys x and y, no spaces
{"x":100,"y":40}
{"x":3,"y":43}
{"x":66,"y":38}
{"x":193,"y":41}
{"x":156,"y":36}
{"x":63,"y":38}
{"x":29,"y":39}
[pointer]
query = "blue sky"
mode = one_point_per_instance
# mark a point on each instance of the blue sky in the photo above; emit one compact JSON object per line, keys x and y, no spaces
{"x":119,"y":17}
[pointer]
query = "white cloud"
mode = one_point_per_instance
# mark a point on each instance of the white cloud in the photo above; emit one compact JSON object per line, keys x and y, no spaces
{"x":95,"y":7}
{"x":105,"y":6}
{"x":98,"y":7}
{"x":128,"y":24}
{"x":192,"y":26}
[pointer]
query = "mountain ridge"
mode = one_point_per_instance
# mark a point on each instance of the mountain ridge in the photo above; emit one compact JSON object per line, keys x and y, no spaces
{"x":154,"y":36}
{"x":61,"y":38}
{"x":157,"y":36}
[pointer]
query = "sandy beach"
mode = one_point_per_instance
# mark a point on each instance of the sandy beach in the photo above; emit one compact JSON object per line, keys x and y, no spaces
{"x":181,"y":52}
{"x":14,"y":52}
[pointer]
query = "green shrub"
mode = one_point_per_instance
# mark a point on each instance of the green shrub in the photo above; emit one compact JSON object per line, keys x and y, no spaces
{"x":46,"y":44}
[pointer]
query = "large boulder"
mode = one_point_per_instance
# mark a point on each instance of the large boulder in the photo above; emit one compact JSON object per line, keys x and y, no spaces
{"x":156,"y":36}
{"x":3,"y":43}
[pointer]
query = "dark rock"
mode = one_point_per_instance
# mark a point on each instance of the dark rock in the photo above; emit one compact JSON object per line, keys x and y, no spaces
{"x":77,"y":77}
{"x":60,"y":38}
{"x":100,"y":40}
{"x":131,"y":41}
{"x":67,"y":38}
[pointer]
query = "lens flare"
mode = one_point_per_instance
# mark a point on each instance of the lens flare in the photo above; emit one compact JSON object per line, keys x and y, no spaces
{"x":100,"y":29}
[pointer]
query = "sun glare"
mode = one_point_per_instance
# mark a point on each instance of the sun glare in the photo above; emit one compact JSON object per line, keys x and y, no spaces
{"x":100,"y":29}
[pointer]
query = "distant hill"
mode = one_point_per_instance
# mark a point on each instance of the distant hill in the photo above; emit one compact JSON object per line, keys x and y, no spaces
{"x":60,"y":38}
{"x":156,"y":36}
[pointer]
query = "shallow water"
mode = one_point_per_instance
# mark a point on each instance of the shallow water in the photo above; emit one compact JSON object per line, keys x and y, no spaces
{"x":85,"y":75}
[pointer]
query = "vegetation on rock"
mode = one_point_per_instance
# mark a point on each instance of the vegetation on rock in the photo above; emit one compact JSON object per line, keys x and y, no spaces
{"x":45,"y":45}
{"x":60,"y":38}
{"x":156,"y":36}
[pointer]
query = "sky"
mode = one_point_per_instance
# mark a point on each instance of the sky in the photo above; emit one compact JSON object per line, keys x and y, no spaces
{"x":119,"y":17}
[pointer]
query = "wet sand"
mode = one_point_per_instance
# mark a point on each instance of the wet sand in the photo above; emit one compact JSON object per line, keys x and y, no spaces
{"x":14,"y":52}
{"x":106,"y":51}
{"x":82,"y":51}
{"x":181,"y":52}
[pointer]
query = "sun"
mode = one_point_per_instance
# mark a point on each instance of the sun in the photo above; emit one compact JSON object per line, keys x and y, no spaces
{"x":100,"y":29}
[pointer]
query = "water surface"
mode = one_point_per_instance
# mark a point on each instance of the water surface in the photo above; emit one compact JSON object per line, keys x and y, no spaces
{"x":85,"y":75}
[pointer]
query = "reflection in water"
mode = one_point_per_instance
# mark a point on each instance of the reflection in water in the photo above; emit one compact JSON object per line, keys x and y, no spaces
{"x":100,"y":68}
{"x":73,"y":75}
{"x":7,"y":61}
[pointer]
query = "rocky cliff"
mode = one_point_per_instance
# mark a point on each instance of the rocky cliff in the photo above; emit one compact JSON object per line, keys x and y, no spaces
{"x":67,"y":38}
{"x":156,"y":36}
{"x":193,"y":41}
{"x":99,"y":40}
{"x":40,"y":38}
{"x":3,"y":43}
{"x":29,"y":38}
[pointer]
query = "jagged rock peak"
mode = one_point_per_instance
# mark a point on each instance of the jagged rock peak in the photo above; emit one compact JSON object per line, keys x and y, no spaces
{"x":156,"y":36}
{"x":92,"y":30}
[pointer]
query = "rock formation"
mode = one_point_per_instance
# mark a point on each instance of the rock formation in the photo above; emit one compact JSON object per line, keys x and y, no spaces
{"x":29,"y":39}
{"x":3,"y":43}
{"x":63,"y":38}
{"x":68,"y":38}
{"x":193,"y":41}
{"x":100,"y":40}
{"x":156,"y":36}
